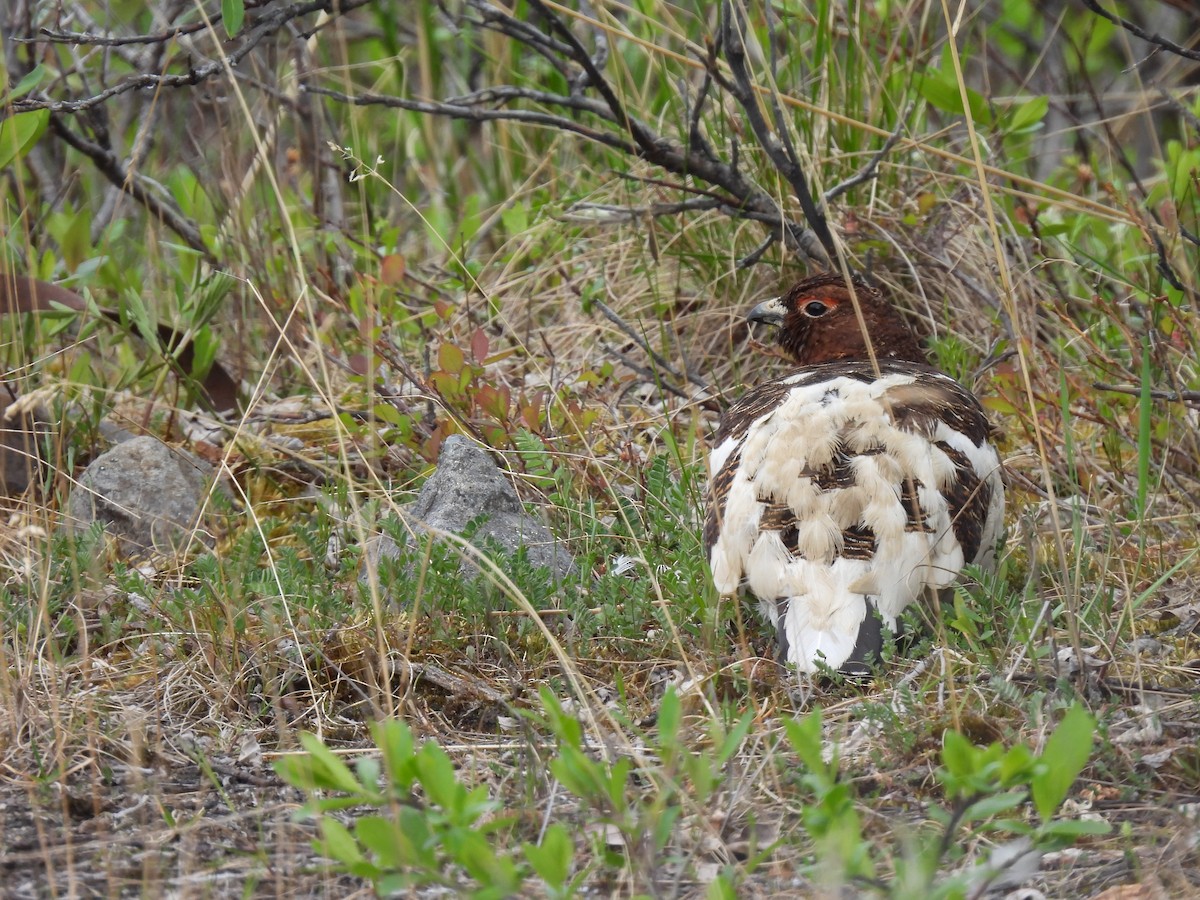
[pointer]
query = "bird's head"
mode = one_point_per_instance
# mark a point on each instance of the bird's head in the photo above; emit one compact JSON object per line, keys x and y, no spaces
{"x":817,"y":322}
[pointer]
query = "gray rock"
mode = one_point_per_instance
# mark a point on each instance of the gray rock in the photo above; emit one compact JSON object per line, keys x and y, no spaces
{"x":466,"y":485}
{"x":144,"y":493}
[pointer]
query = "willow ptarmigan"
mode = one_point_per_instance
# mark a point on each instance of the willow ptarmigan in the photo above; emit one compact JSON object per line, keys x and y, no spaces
{"x":845,"y":491}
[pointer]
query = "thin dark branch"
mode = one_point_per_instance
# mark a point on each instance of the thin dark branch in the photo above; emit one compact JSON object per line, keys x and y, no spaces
{"x":84,"y":39}
{"x":696,"y":139}
{"x":752,"y":258}
{"x":505,"y":93}
{"x":869,"y":171}
{"x":794,"y":171}
{"x":671,"y":185}
{"x":1138,"y":31}
{"x":477,"y":114}
{"x":270,"y":23}
{"x":599,"y":59}
{"x":1123,"y":160}
{"x":818,"y":243}
{"x":642,"y":136}
{"x":112,"y":169}
{"x":646,"y":372}
{"x":631,"y":333}
{"x":498,"y":20}
{"x":1182,"y":109}
{"x":1188,"y":398}
{"x":657,"y":358}
{"x":745,"y":201}
{"x":738,"y":196}
{"x":603,"y":212}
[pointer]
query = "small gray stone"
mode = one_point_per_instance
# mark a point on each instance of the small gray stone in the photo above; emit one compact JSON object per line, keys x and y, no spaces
{"x":1148,"y":646}
{"x":466,"y":486}
{"x":144,"y":493}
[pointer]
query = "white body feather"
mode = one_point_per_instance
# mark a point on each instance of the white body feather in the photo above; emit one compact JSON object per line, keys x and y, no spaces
{"x":817,"y":586}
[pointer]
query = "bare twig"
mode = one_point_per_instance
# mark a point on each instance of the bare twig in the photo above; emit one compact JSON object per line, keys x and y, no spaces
{"x":599,"y":59}
{"x":477,"y":114}
{"x":1138,"y":31}
{"x":696,"y":140}
{"x":757,"y":253}
{"x":633,"y":335}
{"x":115,"y":171}
{"x":1188,"y":398}
{"x":646,"y":140}
{"x":85,"y":39}
{"x":816,"y":243}
{"x":270,"y":24}
{"x":499,"y":20}
{"x":870,"y":170}
{"x":647,"y":373}
{"x":604,"y":212}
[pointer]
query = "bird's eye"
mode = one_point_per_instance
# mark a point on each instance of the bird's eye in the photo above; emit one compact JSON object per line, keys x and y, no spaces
{"x":814,"y":309}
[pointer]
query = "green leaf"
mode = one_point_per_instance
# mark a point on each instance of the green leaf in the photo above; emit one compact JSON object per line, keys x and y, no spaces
{"x":1065,"y":755}
{"x":618,"y":783}
{"x":721,"y":889}
{"x":1017,"y":765}
{"x":450,"y":358}
{"x":19,"y":133}
{"x":551,"y":859}
{"x":669,"y":714}
{"x":329,"y":772}
{"x":734,"y":739}
{"x":27,"y":84}
{"x":471,"y":850}
{"x":204,"y":351}
{"x":395,"y":741}
{"x":664,"y":827}
{"x":440,"y":780}
{"x":993,"y":806}
{"x":415,"y":839}
{"x":1073,"y":828}
{"x":367,"y":769}
{"x":940,"y":94}
{"x":565,"y":727}
{"x":382,"y":837}
{"x":233,"y":13}
{"x":959,"y":756}
{"x":942,"y":91}
{"x":805,"y":737}
{"x":1028,"y":116}
{"x":575,"y":772}
{"x":339,"y":843}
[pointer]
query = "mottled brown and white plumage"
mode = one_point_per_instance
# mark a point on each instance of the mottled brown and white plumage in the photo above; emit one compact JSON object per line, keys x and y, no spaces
{"x":848,"y":488}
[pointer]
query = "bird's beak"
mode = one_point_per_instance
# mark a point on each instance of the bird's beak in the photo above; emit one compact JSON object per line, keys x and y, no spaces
{"x":770,"y":311}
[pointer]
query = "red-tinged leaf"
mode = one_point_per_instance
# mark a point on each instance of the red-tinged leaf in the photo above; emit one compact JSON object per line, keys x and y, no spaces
{"x":479,"y":346}
{"x":493,"y":401}
{"x":485,"y":399}
{"x":357,"y":363}
{"x":450,"y":358}
{"x":531,"y":414}
{"x":443,"y":308}
{"x":391,"y":269}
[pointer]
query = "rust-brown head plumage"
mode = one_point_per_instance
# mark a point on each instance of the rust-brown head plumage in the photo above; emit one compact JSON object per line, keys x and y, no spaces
{"x":817,"y":322}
